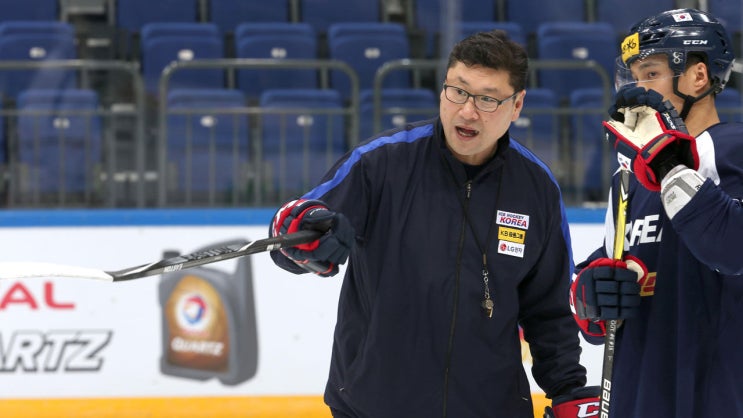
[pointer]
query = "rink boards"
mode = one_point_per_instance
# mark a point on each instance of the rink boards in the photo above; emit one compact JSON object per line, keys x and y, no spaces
{"x":73,"y":347}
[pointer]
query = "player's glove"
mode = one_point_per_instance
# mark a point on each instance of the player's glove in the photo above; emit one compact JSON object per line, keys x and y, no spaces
{"x":323,"y":255}
{"x":649,"y":136}
{"x":580,"y":402}
{"x":606,"y":289}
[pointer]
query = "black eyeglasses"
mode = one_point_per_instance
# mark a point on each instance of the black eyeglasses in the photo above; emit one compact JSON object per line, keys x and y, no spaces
{"x":482,"y":102}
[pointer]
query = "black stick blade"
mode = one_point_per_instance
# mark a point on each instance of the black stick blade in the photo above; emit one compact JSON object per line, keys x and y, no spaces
{"x":212,"y":255}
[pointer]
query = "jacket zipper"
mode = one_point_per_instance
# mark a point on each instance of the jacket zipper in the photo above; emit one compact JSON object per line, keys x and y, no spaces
{"x":467,"y":194}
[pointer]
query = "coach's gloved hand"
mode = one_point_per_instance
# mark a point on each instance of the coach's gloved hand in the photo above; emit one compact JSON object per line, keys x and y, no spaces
{"x":580,"y":402}
{"x":606,"y":289}
{"x":321,"y":256}
{"x":649,"y":136}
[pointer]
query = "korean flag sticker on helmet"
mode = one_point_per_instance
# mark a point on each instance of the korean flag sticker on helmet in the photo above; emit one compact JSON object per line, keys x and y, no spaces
{"x":682,"y":17}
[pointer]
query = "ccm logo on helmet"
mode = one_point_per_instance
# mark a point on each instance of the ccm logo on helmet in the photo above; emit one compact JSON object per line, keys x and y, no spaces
{"x":696,"y":42}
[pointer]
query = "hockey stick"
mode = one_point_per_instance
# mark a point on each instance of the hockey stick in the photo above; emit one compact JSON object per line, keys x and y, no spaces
{"x":22,"y":270}
{"x":613,"y":324}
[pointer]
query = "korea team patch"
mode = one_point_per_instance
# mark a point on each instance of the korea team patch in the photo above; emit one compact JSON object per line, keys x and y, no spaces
{"x":516,"y":220}
{"x":512,"y":233}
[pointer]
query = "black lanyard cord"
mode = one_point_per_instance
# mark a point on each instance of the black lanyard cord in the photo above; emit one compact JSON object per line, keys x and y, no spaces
{"x":487,"y":302}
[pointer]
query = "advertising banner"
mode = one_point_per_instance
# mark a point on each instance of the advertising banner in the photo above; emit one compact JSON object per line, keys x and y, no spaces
{"x":241,"y":332}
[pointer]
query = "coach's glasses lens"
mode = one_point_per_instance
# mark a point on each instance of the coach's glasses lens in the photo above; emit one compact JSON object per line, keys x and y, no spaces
{"x":482,"y":102}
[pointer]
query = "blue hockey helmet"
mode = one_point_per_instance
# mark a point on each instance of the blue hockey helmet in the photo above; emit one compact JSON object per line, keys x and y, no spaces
{"x":677,"y":33}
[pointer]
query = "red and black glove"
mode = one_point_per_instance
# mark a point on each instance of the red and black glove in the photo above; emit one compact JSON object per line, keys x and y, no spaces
{"x":324,"y":255}
{"x":649,"y":136}
{"x":579,"y":403}
{"x":606,"y":289}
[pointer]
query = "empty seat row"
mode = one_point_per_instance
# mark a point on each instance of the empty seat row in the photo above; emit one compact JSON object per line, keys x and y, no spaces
{"x":35,"y":41}
{"x":132,"y":15}
{"x":364,"y":47}
{"x":302,"y":133}
{"x":59,"y":140}
{"x":213,"y":145}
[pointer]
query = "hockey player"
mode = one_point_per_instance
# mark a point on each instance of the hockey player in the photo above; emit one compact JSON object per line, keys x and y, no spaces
{"x":678,"y":349}
{"x":457,"y":235}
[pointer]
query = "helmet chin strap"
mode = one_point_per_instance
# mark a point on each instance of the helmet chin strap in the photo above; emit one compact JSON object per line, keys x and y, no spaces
{"x":688,"y":100}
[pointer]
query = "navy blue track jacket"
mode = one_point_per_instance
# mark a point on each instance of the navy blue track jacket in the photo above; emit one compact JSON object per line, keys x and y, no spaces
{"x":681,"y":357}
{"x":411,"y":339}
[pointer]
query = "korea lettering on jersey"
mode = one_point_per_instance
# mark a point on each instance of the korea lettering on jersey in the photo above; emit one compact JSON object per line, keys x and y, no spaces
{"x":512,"y":233}
{"x":644,"y":231}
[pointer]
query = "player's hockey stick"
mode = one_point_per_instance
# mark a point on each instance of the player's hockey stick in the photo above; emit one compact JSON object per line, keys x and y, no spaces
{"x":22,"y":270}
{"x":613,"y":324}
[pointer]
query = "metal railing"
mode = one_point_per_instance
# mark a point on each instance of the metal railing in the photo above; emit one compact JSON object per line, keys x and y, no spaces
{"x":115,"y":183}
{"x":255,"y":180}
{"x":110,"y":170}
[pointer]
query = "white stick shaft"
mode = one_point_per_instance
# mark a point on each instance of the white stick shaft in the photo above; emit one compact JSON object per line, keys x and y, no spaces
{"x":22,"y":270}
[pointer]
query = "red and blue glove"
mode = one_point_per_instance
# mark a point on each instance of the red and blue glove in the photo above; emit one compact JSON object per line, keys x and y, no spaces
{"x":324,"y":255}
{"x":606,"y":289}
{"x":649,"y":136}
{"x":579,"y":403}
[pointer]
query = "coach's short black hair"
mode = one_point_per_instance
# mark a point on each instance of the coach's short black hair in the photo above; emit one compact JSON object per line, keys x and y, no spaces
{"x":494,"y":50}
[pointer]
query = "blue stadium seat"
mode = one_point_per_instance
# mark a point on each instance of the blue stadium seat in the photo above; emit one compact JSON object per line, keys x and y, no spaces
{"x":302,"y":136}
{"x":532,"y":13}
{"x":399,"y":106}
{"x":228,"y":14}
{"x":730,"y":13}
{"x":538,"y":127}
{"x":575,"y":41}
{"x":323,"y":13}
{"x":594,"y":159}
{"x":29,"y":10}
{"x":36,"y":41}
{"x":513,"y":29}
{"x":58,"y":151}
{"x":132,"y":15}
{"x":36,"y":27}
{"x":162,"y":43}
{"x":3,"y":142}
{"x":207,"y":145}
{"x":427,"y":18}
{"x":277,"y":41}
{"x":729,"y":103}
{"x":622,"y":17}
{"x":366,"y":47}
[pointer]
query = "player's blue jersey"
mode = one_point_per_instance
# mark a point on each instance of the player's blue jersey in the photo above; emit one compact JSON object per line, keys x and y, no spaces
{"x":681,"y":357}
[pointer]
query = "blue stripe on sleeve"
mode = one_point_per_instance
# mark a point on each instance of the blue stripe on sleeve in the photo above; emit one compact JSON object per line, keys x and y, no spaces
{"x":564,"y":222}
{"x":411,"y":135}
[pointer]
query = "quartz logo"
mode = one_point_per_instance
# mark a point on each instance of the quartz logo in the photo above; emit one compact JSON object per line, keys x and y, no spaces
{"x":47,"y":351}
{"x":33,"y":351}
